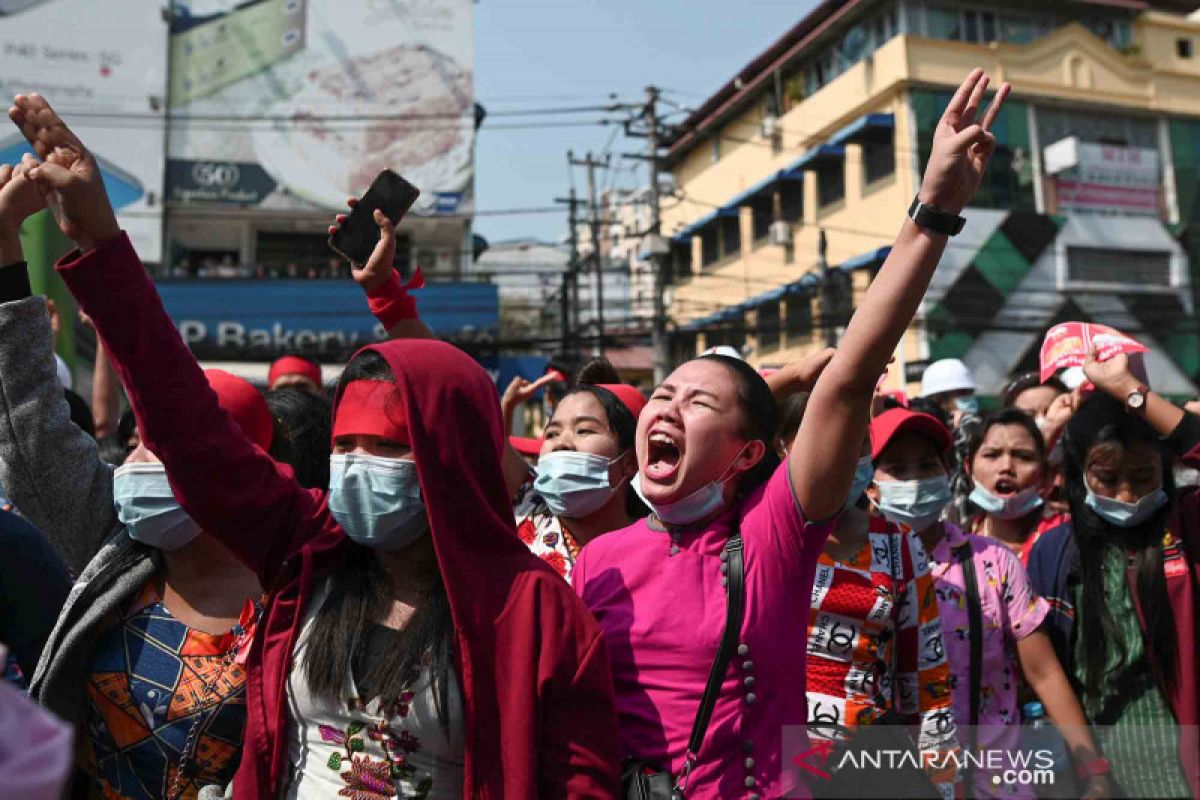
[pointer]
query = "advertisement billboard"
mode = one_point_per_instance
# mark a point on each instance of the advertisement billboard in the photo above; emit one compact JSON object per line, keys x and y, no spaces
{"x":1100,"y":177}
{"x":106,"y":73}
{"x":298,"y":104}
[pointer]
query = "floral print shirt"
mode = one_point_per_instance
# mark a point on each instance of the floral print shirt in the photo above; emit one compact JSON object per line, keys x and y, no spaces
{"x":543,"y":533}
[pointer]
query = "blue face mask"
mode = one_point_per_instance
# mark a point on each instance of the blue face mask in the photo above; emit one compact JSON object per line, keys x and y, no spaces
{"x":1014,"y":507}
{"x":148,"y":508}
{"x":917,"y":504}
{"x":1126,"y":515}
{"x":864,"y":473}
{"x":376,"y":500}
{"x":575,"y":484}
{"x":702,"y":503}
{"x":968,"y":404}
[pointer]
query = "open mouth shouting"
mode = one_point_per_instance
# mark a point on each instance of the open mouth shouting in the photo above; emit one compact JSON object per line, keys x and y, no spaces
{"x":663,"y":454}
{"x":1006,"y":487}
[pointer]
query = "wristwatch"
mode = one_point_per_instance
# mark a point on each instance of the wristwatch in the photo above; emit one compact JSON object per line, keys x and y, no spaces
{"x":934,"y":219}
{"x":1135,"y":401}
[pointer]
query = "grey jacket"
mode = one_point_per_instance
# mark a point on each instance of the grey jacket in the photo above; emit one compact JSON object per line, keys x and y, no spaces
{"x":54,"y":475}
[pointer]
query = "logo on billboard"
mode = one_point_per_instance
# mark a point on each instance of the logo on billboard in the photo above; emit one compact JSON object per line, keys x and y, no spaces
{"x":217,"y":182}
{"x":212,"y":175}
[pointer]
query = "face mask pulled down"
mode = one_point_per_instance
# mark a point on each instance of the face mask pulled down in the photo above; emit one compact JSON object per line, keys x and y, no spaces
{"x":702,"y":503}
{"x":376,"y":500}
{"x":1006,"y":508}
{"x":575,"y":484}
{"x":146,"y":505}
{"x":916,"y":504}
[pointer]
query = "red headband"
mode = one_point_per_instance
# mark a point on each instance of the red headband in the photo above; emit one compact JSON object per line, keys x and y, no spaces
{"x":294,"y":365}
{"x":244,"y":403}
{"x":364,"y":409}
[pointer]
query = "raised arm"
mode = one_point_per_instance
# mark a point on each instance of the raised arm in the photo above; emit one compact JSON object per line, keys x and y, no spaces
{"x":821,"y":463}
{"x":234,"y":490}
{"x":386,"y":295}
{"x":106,"y":390}
{"x":50,"y":468}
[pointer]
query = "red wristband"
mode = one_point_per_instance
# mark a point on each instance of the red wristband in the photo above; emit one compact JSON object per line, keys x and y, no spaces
{"x":1092,"y":768}
{"x":391,"y":302}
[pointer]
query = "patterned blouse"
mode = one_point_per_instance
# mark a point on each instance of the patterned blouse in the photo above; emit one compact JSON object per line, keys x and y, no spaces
{"x":858,"y":629}
{"x":546,"y":537}
{"x":162,"y":696}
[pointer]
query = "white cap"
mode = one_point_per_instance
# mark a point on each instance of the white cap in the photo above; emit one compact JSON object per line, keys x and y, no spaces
{"x":947,"y":375}
{"x":64,"y":372}
{"x":723,"y":350}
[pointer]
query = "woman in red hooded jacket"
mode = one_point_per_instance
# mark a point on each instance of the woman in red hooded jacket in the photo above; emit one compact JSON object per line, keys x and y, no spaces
{"x":436,"y":656}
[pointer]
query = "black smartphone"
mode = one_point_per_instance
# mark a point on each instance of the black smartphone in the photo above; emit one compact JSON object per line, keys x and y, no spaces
{"x":358,"y":235}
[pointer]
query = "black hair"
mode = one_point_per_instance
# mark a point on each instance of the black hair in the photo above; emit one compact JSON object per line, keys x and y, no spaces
{"x":791,"y":413}
{"x":567,"y":365}
{"x":620,"y":418}
{"x":360,"y":595}
{"x":1103,"y":420}
{"x":1006,"y":416}
{"x":81,"y":415}
{"x":760,"y":419}
{"x":302,"y":434}
{"x":112,"y":449}
{"x":923,"y":405}
{"x":1030,"y":380}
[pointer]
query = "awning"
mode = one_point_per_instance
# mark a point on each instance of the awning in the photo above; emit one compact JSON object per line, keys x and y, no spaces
{"x":806,"y":283}
{"x":691,"y":230}
{"x":864,"y":125}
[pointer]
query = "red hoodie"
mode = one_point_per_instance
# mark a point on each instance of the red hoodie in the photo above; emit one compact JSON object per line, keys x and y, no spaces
{"x":537,"y":692}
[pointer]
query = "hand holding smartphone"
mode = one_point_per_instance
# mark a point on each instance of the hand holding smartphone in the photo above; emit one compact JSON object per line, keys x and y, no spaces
{"x":357,"y":236}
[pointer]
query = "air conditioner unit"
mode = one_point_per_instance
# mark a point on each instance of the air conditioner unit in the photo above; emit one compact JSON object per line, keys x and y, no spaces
{"x":781,"y":234}
{"x":770,"y":126}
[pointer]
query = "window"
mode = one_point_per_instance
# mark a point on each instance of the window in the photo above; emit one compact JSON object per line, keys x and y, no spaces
{"x":831,"y":181}
{"x":1143,"y":268}
{"x":709,"y":246}
{"x":768,"y":327}
{"x":1183,"y":48}
{"x":731,"y":236}
{"x":799,"y":322}
{"x":791,"y":200}
{"x":679,"y":265}
{"x":879,"y":158}
{"x":763,"y":210}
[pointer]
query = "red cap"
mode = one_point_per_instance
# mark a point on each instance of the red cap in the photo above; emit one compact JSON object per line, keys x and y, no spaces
{"x":526,"y":446}
{"x":895,"y":421}
{"x":294,"y":365}
{"x":630,"y":396}
{"x":245,"y":404}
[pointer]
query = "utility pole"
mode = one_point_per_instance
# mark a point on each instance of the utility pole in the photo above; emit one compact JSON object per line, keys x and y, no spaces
{"x":569,"y":302}
{"x":653,"y":244}
{"x":658,"y":330}
{"x":597,"y":260}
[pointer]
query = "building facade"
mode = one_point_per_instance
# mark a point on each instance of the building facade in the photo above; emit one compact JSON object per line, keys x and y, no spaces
{"x":794,"y":176}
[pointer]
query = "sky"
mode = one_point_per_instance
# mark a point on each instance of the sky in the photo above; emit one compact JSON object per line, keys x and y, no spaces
{"x":539,"y":54}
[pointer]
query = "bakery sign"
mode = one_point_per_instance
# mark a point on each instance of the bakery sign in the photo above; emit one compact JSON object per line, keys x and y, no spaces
{"x":253,"y":319}
{"x":301,"y":103}
{"x":1100,"y":177}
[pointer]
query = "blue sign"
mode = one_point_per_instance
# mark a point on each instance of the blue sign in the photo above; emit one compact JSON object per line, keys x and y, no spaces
{"x":263,"y":319}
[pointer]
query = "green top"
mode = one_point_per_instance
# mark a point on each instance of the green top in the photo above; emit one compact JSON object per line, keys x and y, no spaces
{"x":1143,"y":742}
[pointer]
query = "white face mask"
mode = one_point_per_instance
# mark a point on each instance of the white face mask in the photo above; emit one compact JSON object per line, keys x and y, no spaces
{"x":1126,"y":515}
{"x":145,"y":503}
{"x":702,"y":503}
{"x":575,"y":484}
{"x":917,"y":504}
{"x":377,"y":500}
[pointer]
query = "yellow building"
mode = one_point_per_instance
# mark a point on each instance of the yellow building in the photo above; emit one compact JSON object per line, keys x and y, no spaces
{"x":1089,"y":210}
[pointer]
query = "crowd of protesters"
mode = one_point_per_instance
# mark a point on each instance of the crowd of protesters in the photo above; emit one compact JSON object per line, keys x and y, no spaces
{"x":368,"y":588}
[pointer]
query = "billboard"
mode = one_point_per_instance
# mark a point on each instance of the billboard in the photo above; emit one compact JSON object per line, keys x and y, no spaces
{"x":298,"y":104}
{"x":232,"y":320}
{"x":1100,"y":177}
{"x":103,"y":65}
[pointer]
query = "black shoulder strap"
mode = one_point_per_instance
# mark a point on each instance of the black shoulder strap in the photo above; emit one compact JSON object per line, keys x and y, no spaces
{"x":964,"y":554}
{"x":735,"y":591}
